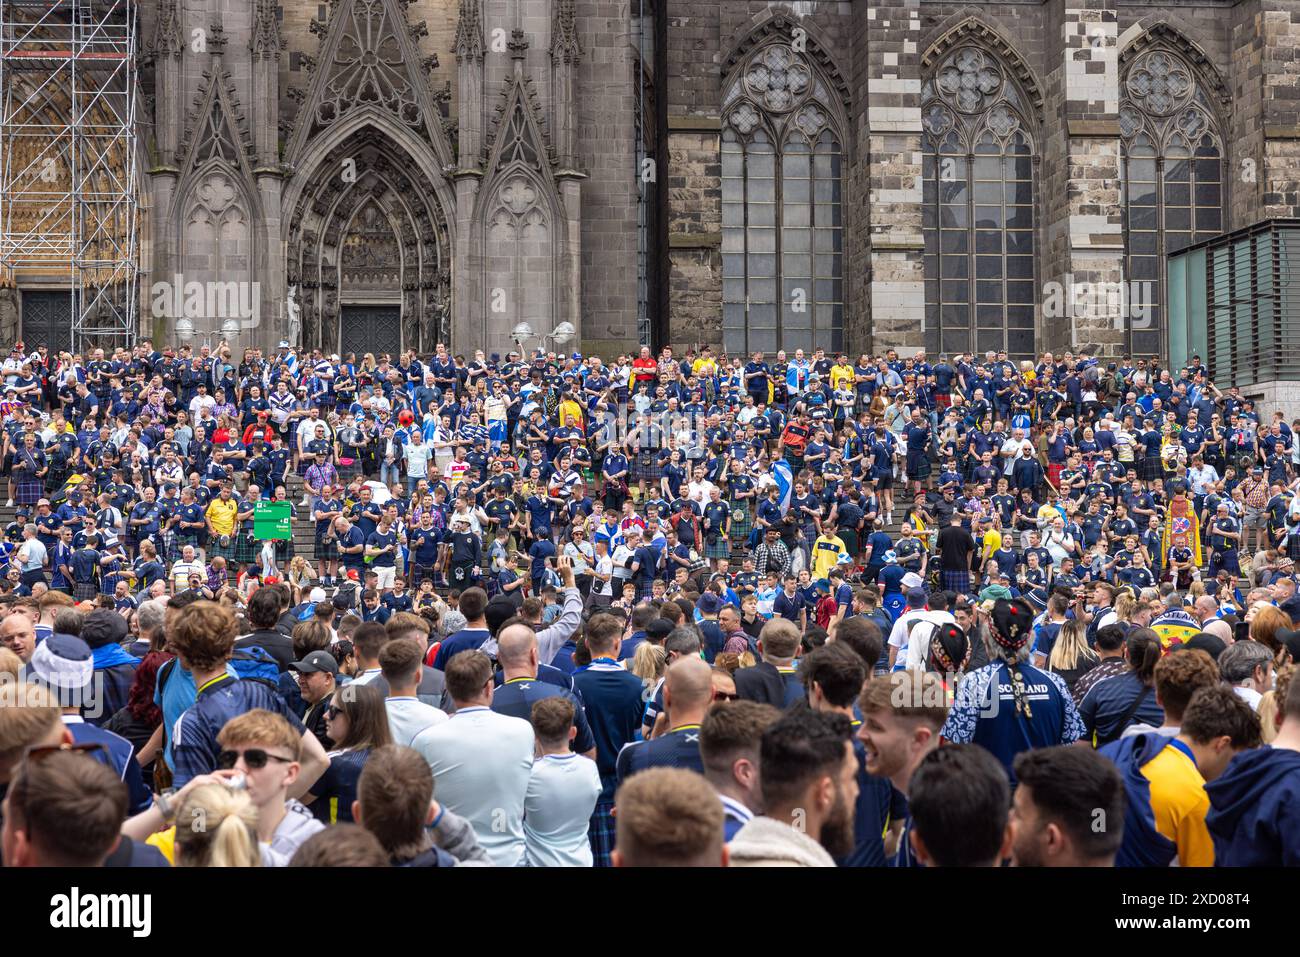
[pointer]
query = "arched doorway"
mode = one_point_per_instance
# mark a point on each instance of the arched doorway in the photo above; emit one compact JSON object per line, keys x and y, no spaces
{"x":368,"y":251}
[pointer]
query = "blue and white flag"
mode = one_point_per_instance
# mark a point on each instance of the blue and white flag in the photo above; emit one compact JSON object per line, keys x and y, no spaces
{"x":784,"y":482}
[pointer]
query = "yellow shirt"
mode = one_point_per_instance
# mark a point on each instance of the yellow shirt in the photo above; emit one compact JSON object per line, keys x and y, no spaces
{"x":841,"y":376}
{"x":992,"y":542}
{"x":222,"y":515}
{"x":826,"y":553}
{"x":703,"y":367}
{"x":165,"y":841}
{"x":1179,"y":804}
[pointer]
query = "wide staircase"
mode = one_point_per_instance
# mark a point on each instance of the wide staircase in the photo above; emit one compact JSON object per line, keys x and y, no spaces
{"x":304,"y":527}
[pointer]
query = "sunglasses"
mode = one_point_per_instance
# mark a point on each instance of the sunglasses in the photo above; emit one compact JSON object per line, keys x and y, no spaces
{"x":254,"y":758}
{"x":333,"y":711}
{"x":723,"y":696}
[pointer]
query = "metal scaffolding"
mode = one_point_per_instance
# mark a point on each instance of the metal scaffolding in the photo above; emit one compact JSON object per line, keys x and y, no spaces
{"x":69,"y":190}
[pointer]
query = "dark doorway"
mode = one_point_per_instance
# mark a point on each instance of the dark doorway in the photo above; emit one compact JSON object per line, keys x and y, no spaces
{"x":373,"y":329}
{"x":47,"y":320}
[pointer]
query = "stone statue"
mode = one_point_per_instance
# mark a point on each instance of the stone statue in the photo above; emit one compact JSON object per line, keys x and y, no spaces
{"x":295,"y":317}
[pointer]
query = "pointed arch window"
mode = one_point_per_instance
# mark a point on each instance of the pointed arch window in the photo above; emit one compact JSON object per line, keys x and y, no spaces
{"x":782,"y":233}
{"x":1171,"y":180}
{"x":978,"y":197}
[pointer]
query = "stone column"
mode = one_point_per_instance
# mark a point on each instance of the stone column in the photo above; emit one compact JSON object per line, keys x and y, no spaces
{"x":1081,"y":198}
{"x":467,"y":296}
{"x":886,"y":266}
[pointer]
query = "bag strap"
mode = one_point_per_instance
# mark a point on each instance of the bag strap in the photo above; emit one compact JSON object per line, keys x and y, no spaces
{"x":1132,"y":710}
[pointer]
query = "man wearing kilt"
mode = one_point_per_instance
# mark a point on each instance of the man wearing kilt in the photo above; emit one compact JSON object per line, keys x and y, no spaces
{"x":220,"y":516}
{"x":85,"y":570}
{"x":955,"y":546}
{"x":645,"y":442}
{"x":717,"y":525}
{"x":740,"y":526}
{"x":247,"y":548}
{"x":423,"y":546}
{"x":324,"y":509}
{"x":29,"y":469}
{"x":917,"y":435}
{"x":190,"y":527}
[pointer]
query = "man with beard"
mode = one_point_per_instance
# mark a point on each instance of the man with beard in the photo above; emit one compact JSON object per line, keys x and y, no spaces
{"x":809,"y":786}
{"x":959,"y":800}
{"x":901,"y":717}
{"x":833,"y":675}
{"x":1068,"y":809}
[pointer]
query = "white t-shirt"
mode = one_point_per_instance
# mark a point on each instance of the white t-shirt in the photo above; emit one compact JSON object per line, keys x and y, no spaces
{"x":482,"y":762}
{"x":562,"y":793}
{"x":417,"y":459}
{"x":918,"y":638}
{"x":407,"y":717}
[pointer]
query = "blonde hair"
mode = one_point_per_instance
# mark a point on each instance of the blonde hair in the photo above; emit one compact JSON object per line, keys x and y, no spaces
{"x":1071,"y":645}
{"x":1271,"y":703}
{"x":216,"y":826}
{"x":648,"y":661}
{"x":261,"y":727}
{"x":1125,"y":605}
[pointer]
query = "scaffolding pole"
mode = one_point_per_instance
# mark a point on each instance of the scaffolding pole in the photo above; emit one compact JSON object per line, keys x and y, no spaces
{"x":69,"y":188}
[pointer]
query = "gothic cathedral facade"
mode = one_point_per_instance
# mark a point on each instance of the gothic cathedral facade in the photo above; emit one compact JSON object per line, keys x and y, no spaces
{"x":756,"y":175}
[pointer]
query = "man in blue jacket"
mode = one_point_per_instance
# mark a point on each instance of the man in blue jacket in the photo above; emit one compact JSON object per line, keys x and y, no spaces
{"x":1254,"y":815}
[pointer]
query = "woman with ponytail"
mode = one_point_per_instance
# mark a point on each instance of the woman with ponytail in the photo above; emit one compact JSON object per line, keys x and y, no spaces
{"x":216,"y":826}
{"x":1129,"y":698}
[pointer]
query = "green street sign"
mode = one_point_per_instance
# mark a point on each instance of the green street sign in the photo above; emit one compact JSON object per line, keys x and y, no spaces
{"x":271,"y":520}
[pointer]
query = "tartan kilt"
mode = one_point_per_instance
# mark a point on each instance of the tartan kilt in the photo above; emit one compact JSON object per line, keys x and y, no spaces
{"x":217,"y":550}
{"x":1151,"y":468}
{"x":283,"y":549}
{"x":183,"y":539}
{"x":165,"y":542}
{"x":644,"y":590}
{"x":958,"y":581}
{"x":740,"y":529}
{"x":247,"y":548}
{"x":348,"y":472}
{"x":720,"y":548}
{"x":918,"y":466}
{"x":327,"y":549}
{"x":601,"y":832}
{"x":646,"y":472}
{"x":54,"y":480}
{"x":84,"y":591}
{"x":1293,"y":547}
{"x":421,"y":572}
{"x":29,"y":490}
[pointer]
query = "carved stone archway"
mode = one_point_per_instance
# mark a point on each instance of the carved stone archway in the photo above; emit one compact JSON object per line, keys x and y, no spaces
{"x":369,"y":183}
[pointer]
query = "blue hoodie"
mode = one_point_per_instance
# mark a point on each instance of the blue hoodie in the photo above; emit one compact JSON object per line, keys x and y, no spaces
{"x":1255,"y":810}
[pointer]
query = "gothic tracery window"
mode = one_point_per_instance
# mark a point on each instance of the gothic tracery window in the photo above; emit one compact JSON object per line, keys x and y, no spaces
{"x":1172,"y":180}
{"x":782,"y":237}
{"x":978,"y":215}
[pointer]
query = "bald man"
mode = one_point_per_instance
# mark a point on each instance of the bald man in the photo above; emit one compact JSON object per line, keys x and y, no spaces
{"x":517,"y":653}
{"x":688,"y":693}
{"x":18,"y":634}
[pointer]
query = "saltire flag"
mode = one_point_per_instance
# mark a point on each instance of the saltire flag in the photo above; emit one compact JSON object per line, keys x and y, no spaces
{"x":784,"y":482}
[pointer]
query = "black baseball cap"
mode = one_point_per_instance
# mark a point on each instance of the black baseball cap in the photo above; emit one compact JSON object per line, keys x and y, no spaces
{"x":316,"y":661}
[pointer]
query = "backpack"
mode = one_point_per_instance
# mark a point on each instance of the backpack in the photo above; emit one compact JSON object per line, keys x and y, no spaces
{"x":255,"y":664}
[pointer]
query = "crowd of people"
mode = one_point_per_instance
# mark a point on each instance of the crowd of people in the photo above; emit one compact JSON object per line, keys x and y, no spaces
{"x":663,"y":610}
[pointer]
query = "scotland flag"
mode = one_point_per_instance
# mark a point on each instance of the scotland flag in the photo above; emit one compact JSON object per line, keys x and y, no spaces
{"x":784,"y":482}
